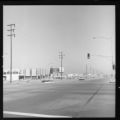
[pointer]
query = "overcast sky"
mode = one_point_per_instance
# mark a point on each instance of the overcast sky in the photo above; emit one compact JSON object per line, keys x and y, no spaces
{"x":42,"y":31}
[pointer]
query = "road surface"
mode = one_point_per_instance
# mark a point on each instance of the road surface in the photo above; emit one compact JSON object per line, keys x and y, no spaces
{"x":66,"y":98}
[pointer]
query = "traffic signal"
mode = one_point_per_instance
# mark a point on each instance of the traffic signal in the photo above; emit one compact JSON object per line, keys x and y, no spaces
{"x":113,"y":66}
{"x":88,"y":55}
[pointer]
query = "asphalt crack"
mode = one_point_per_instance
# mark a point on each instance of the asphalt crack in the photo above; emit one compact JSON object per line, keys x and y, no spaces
{"x":93,"y":95}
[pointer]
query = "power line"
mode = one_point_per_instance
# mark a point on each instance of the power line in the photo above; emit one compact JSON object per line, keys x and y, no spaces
{"x":11,"y":30}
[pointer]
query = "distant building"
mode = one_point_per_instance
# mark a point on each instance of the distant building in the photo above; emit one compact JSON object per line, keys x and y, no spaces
{"x":56,"y":72}
{"x":15,"y":74}
{"x":18,"y":74}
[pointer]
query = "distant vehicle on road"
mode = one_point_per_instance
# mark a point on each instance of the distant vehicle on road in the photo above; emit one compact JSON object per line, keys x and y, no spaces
{"x":46,"y":80}
{"x":81,"y":78}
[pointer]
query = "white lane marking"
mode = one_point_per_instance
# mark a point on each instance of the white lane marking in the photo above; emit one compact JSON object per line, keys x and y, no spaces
{"x":34,"y":114}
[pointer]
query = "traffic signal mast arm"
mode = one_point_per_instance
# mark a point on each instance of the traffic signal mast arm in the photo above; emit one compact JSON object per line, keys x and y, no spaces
{"x":101,"y":56}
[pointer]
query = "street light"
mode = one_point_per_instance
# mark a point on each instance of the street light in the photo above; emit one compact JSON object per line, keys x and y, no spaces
{"x":110,"y":40}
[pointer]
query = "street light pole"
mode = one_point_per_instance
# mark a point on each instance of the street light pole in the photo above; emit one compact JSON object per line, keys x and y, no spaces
{"x":109,"y":39}
{"x":11,"y":35}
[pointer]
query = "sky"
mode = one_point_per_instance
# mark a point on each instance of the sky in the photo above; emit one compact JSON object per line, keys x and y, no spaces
{"x":42,"y":31}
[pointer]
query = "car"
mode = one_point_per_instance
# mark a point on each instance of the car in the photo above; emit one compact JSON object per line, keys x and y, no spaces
{"x":46,"y":80}
{"x":81,"y":78}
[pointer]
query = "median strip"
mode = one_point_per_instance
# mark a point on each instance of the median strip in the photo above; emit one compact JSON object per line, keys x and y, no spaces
{"x":34,"y":114}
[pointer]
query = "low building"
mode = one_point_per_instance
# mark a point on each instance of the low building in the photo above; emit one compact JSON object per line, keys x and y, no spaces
{"x":56,"y":73}
{"x":15,"y":74}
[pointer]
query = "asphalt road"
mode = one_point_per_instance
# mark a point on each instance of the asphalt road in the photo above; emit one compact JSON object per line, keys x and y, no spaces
{"x":72,"y":98}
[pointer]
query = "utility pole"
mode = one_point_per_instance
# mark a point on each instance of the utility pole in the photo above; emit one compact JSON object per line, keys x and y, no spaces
{"x":86,"y":71}
{"x":88,"y":57}
{"x":36,"y":73}
{"x":11,"y":30}
{"x":24,"y":72}
{"x":45,"y":72}
{"x":41,"y":73}
{"x":61,"y":58}
{"x":31,"y":73}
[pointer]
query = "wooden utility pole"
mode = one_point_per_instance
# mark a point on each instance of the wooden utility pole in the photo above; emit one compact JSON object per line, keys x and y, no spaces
{"x":11,"y":30}
{"x":61,"y":58}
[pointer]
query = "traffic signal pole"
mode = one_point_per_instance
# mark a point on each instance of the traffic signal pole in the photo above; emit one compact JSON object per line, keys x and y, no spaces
{"x":110,"y":40}
{"x":88,"y":57}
